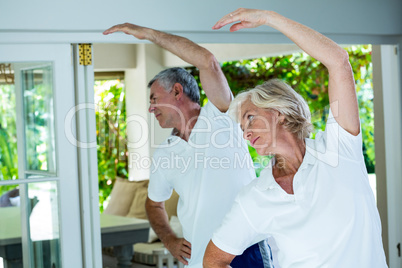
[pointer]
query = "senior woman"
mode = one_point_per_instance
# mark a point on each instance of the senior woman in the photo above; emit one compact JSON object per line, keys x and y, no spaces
{"x":314,"y":198}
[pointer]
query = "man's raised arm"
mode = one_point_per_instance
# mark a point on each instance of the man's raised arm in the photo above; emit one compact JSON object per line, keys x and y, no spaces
{"x":212,"y":79}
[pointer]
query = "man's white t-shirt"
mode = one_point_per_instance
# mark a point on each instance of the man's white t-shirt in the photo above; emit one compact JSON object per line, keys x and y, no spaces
{"x":331,"y":220}
{"x":207,"y":172}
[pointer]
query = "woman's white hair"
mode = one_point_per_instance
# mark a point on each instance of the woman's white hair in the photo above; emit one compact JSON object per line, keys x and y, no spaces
{"x":276,"y":95}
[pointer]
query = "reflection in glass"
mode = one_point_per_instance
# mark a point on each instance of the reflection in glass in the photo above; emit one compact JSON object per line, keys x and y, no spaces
{"x":43,"y":230}
{"x":37,"y":86}
{"x":44,"y":224}
{"x":10,"y":227}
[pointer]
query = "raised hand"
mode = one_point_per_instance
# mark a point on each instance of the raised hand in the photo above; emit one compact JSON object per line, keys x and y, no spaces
{"x":128,"y":28}
{"x":180,"y":248}
{"x":246,"y":18}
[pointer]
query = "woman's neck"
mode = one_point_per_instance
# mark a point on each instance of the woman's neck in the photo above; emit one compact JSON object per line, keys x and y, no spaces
{"x":287,"y":163}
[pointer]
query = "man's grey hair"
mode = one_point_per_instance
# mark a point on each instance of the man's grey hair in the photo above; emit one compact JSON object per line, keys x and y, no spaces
{"x":167,"y":78}
{"x":276,"y":95}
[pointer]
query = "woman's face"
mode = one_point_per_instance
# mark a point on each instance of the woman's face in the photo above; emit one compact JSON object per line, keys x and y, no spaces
{"x":260,"y":127}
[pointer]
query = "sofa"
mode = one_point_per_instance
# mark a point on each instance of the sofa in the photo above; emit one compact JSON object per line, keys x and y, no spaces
{"x":127,"y":199}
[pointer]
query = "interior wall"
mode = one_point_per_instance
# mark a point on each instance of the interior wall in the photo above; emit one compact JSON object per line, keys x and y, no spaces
{"x":342,"y":16}
{"x":83,"y":21}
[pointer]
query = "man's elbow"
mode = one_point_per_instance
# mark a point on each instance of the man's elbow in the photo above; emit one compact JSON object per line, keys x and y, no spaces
{"x":151,"y":206}
{"x":209,"y":62}
{"x":216,"y":258}
{"x":210,"y":262}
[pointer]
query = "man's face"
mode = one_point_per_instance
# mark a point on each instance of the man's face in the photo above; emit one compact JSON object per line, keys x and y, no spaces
{"x":163,"y":106}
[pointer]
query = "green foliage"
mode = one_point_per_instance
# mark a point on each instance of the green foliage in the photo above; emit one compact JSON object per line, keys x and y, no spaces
{"x":8,"y":137}
{"x":306,"y":75}
{"x":309,"y":78}
{"x":111,"y":136}
{"x":38,"y":128}
{"x":8,"y":134}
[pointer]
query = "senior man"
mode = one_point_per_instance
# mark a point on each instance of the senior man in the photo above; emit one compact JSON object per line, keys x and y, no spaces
{"x":205,"y":160}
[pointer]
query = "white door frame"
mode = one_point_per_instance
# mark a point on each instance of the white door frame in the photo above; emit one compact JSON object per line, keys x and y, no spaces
{"x":66,"y":153}
{"x":88,"y":161}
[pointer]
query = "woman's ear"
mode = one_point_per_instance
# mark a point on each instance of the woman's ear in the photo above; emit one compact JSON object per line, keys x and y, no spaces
{"x":281,"y":119}
{"x":178,"y":91}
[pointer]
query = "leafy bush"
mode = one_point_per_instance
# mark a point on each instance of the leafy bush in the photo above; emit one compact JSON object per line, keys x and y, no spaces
{"x":111,"y":135}
{"x":305,"y":74}
{"x":8,"y":137}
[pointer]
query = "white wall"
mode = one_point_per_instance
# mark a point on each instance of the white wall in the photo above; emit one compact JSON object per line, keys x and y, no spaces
{"x":84,"y":20}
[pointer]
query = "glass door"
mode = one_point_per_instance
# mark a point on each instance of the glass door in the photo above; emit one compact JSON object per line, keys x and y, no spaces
{"x":39,"y":182}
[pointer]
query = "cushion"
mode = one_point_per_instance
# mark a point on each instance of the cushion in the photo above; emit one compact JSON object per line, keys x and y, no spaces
{"x":5,"y":199}
{"x":171,"y":204}
{"x":137,"y":207}
{"x":121,"y":197}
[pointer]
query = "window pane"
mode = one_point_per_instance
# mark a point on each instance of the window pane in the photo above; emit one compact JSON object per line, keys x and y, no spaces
{"x":44,"y":224}
{"x":10,"y":230}
{"x":43,"y":215}
{"x":37,"y":88}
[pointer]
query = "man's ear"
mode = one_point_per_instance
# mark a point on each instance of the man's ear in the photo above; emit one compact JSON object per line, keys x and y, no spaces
{"x":178,"y":91}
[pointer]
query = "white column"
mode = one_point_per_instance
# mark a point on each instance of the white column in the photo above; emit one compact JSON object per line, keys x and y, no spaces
{"x":392,"y":150}
{"x":393,"y":146}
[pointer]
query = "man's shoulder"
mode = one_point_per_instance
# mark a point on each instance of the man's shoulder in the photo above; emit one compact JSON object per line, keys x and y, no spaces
{"x":210,"y":109}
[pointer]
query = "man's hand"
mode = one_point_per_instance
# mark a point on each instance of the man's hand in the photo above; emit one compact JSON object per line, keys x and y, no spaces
{"x":212,"y":79}
{"x":158,"y":218}
{"x":180,"y":248}
{"x":128,"y":28}
{"x":246,"y":18}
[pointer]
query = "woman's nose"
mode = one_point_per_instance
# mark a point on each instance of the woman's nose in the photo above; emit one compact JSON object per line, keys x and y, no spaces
{"x":246,"y":134}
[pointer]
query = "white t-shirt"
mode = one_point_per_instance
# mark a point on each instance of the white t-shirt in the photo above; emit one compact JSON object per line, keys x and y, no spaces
{"x":207,"y":172}
{"x":331,"y":220}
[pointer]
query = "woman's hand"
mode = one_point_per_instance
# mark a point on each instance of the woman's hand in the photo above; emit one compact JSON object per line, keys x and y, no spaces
{"x":246,"y":18}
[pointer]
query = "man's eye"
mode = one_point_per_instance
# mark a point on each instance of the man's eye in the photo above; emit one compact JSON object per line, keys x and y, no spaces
{"x":250,"y":117}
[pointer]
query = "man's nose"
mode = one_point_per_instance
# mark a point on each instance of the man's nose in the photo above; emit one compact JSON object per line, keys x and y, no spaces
{"x":151,"y":108}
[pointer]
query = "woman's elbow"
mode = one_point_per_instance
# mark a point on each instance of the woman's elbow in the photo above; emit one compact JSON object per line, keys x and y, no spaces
{"x":339,"y":60}
{"x":342,"y":57}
